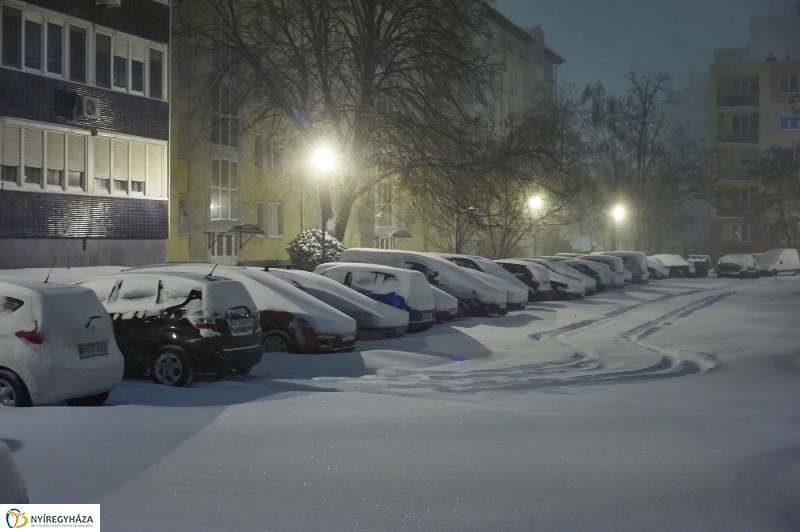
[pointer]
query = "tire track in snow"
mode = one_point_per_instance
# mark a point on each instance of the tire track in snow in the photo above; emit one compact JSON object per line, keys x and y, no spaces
{"x":585,"y":366}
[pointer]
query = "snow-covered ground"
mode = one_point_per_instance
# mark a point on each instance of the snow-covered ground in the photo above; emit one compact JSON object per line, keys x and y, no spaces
{"x":668,"y":406}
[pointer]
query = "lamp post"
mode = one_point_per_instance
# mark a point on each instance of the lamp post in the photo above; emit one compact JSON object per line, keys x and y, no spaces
{"x":618,"y":214}
{"x":323,"y":161}
{"x":535,"y":204}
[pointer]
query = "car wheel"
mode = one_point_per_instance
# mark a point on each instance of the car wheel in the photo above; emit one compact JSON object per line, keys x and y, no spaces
{"x":774,"y":273}
{"x":13,"y":391}
{"x":90,"y":400}
{"x":171,"y":367}
{"x":463,"y":310}
{"x":274,"y":342}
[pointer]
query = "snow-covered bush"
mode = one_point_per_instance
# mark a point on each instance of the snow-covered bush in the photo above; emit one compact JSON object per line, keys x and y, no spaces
{"x":305,"y":251}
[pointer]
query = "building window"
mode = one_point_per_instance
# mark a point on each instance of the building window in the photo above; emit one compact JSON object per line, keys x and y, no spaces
{"x":77,"y":54}
{"x":274,"y":155}
{"x":133,"y":168}
{"x":789,"y":83}
{"x":10,"y":144}
{"x":102,"y":164}
{"x":386,"y":242}
{"x":155,"y":170}
{"x":12,"y":37}
{"x":224,"y":190}
{"x":790,"y":122}
{"x":383,"y":206}
{"x":33,"y":45}
{"x":55,"y":48}
{"x":275,"y":210}
{"x":258,"y":149}
{"x":34,"y":144}
{"x":102,"y":59}
{"x":76,"y":162}
{"x":120,"y":64}
{"x":747,"y":122}
{"x":156,"y":74}
{"x":55,"y":159}
{"x":746,"y":85}
{"x":741,"y":232}
{"x":224,"y":125}
{"x":224,"y":248}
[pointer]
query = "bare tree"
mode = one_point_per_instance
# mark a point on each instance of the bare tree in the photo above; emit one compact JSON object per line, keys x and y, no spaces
{"x":778,"y":169}
{"x":641,"y":160}
{"x":375,"y":80}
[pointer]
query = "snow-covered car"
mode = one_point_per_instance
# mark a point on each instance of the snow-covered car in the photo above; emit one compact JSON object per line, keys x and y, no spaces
{"x":677,"y":265}
{"x":173,"y":325}
{"x":657,"y":269}
{"x":556,"y":266}
{"x":374,"y":319}
{"x":56,"y":343}
{"x":601,"y":273}
{"x":476,"y":297}
{"x":446,"y":305}
{"x":12,"y":487}
{"x":615,"y":264}
{"x":701,"y":263}
{"x":738,"y":265}
{"x":564,"y":286}
{"x":777,"y":261}
{"x":290,"y":319}
{"x":634,"y":261}
{"x":535,"y":276}
{"x":397,"y":287}
{"x":517,"y":299}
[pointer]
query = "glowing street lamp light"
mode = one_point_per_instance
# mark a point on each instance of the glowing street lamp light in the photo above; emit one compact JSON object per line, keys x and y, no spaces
{"x":535,"y":203}
{"x":323,"y":160}
{"x":618,"y":214}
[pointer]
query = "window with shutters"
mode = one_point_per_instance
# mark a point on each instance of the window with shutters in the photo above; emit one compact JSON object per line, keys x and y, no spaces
{"x":10,"y":153}
{"x":55,"y":159}
{"x":54,"y":44}
{"x":76,"y":162}
{"x":138,"y":167}
{"x":119,"y":166}
{"x":155,"y":170}
{"x":275,"y":226}
{"x":102,"y":164}
{"x":34,"y":156}
{"x":224,"y":190}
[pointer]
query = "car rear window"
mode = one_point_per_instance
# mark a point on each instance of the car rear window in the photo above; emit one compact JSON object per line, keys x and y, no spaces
{"x":9,"y":304}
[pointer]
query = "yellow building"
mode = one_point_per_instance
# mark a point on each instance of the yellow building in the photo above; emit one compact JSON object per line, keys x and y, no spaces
{"x":752,"y":89}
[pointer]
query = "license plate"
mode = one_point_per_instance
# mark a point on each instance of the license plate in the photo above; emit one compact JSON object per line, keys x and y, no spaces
{"x":453,"y":311}
{"x":241,"y":325}
{"x":427,"y":315}
{"x":348,"y":337}
{"x":93,"y":350}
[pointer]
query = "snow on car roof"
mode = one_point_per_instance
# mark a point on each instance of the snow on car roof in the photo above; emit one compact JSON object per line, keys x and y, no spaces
{"x":26,"y":284}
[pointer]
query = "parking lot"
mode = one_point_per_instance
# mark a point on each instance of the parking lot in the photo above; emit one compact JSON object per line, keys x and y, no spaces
{"x":664,"y":405}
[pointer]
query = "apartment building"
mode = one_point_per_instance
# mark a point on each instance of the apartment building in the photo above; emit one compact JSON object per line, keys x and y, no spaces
{"x":753,"y":88}
{"x":84,"y":132}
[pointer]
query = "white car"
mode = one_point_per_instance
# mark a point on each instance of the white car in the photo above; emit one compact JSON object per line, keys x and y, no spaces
{"x":397,"y":287}
{"x":446,"y":305}
{"x":615,"y":264}
{"x":564,"y":286}
{"x":517,"y":294}
{"x":56,"y":343}
{"x":12,"y":487}
{"x":634,"y":261}
{"x":777,"y":261}
{"x":476,"y":297}
{"x":677,"y":265}
{"x":535,"y":276}
{"x":555,"y":266}
{"x":657,"y":269}
{"x":374,"y":319}
{"x":742,"y":265}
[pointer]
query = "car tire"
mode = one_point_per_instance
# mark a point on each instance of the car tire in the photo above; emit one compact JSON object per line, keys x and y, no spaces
{"x":774,"y":273}
{"x":90,"y":400}
{"x":463,"y":310}
{"x":275,"y":342}
{"x":171,"y":367}
{"x":13,"y":391}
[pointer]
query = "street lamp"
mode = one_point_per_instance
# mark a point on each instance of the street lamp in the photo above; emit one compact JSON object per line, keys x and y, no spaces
{"x":618,"y":214}
{"x":535,"y":203}
{"x":323,"y":160}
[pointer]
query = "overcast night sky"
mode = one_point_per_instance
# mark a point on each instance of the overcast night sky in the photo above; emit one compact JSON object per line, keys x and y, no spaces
{"x":601,"y":41}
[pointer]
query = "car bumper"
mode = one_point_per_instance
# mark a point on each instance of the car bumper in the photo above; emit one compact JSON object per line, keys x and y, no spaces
{"x":446,"y":315}
{"x":208,"y":355}
{"x":419,"y":326}
{"x":58,"y":383}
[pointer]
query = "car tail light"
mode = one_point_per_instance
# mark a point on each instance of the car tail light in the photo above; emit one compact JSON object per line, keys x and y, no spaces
{"x":34,"y":336}
{"x":206,"y":325}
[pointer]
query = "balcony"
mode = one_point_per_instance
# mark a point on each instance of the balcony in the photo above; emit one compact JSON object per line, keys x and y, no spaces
{"x":738,"y":137}
{"x":735,"y":174}
{"x":737,"y":100}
